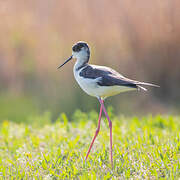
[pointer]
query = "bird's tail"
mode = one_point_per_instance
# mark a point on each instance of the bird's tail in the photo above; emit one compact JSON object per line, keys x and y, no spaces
{"x":140,"y":87}
{"x":141,"y":84}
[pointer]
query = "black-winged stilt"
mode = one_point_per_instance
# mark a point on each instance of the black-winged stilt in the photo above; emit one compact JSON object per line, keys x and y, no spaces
{"x":100,"y":82}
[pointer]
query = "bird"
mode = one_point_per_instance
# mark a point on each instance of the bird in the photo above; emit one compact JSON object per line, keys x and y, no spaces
{"x":100,"y":82}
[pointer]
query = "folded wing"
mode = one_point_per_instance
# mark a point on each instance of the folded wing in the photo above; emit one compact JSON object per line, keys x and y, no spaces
{"x":109,"y":77}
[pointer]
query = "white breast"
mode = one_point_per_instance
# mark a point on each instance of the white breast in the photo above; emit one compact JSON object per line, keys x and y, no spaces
{"x":88,"y":85}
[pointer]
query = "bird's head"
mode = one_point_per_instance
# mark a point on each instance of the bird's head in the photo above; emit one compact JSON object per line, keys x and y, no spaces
{"x":80,"y":51}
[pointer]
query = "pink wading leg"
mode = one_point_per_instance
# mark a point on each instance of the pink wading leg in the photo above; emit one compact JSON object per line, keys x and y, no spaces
{"x":110,"y":126}
{"x":97,"y":132}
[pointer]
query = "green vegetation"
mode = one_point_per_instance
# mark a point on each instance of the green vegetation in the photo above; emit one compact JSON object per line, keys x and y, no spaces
{"x":147,"y":147}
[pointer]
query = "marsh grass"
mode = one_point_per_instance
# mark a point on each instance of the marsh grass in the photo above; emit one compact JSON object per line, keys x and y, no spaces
{"x":143,"y":148}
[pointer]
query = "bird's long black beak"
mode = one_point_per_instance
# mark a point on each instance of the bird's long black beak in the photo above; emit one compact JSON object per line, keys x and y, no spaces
{"x":65,"y":62}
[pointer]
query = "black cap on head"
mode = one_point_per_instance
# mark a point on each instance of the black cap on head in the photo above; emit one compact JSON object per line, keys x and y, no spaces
{"x":77,"y":47}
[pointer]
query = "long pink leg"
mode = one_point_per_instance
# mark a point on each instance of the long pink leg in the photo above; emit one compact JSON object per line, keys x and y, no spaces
{"x":110,"y":127}
{"x":97,"y":132}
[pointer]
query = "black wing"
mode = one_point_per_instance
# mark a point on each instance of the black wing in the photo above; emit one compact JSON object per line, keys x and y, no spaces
{"x":107,"y":76}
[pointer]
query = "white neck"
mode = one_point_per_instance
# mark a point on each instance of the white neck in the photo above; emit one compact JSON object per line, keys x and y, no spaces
{"x":80,"y":63}
{"x":81,"y":57}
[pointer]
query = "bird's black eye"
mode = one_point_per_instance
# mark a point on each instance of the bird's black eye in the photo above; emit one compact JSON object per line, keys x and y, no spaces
{"x":77,"y":47}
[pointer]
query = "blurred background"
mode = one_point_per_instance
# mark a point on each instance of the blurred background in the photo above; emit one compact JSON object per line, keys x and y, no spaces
{"x":140,"y":39}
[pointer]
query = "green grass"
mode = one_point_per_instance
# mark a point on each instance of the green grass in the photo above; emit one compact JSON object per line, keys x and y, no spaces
{"x":143,"y":148}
